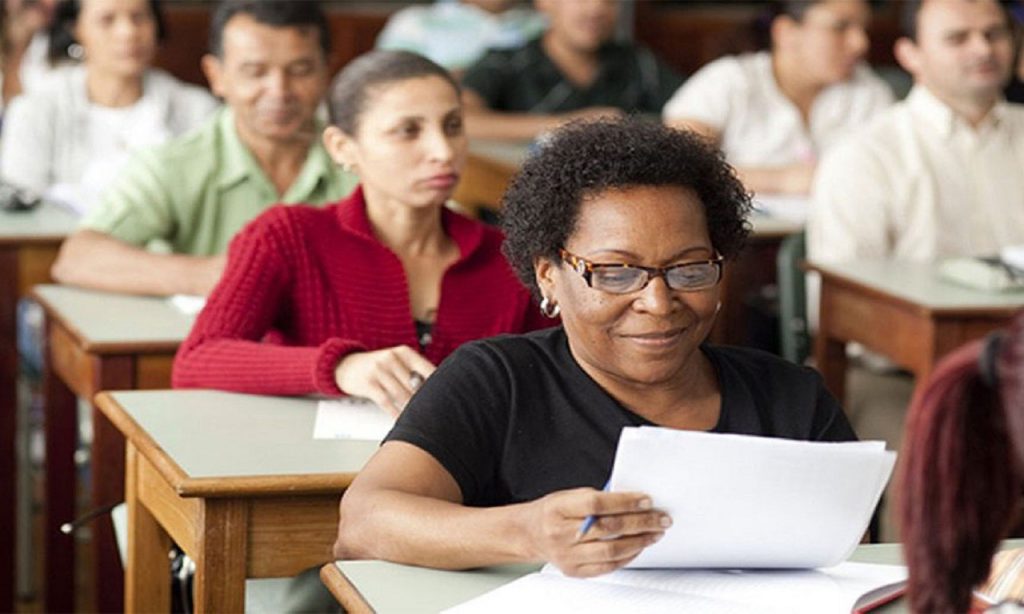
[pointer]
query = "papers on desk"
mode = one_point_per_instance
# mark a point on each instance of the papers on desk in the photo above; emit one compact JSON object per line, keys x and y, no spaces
{"x":784,"y":207}
{"x":776,"y":508}
{"x":738,"y":501}
{"x":188,"y":304}
{"x":351,"y":418}
{"x":837,"y":589}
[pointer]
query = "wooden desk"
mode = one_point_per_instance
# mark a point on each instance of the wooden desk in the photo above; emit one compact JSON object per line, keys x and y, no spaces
{"x":95,"y":341}
{"x":370,"y":586}
{"x":489,"y":169}
{"x":901,"y":310}
{"x":28,"y":247}
{"x":236,"y":480}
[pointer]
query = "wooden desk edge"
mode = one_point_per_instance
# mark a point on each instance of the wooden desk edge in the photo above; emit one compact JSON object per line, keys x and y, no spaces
{"x":216,"y":487}
{"x":344,"y":591}
{"x":138,"y":437}
{"x":149,"y":346}
{"x":913,"y":306}
{"x":31,"y":240}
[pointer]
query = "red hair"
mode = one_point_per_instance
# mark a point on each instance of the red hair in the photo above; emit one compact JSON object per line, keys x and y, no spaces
{"x":961,"y":472}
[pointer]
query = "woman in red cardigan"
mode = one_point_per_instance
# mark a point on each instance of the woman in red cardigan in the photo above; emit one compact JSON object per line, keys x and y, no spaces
{"x":365,"y":296}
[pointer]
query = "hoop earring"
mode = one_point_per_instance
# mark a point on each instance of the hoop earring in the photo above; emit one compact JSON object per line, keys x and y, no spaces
{"x":76,"y":52}
{"x":549,"y":308}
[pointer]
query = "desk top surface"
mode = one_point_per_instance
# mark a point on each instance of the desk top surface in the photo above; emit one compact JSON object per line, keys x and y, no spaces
{"x":220,"y":436}
{"x":919,"y":283}
{"x":47,"y":222}
{"x":108,"y":321}
{"x":432,"y":590}
{"x":511,"y":153}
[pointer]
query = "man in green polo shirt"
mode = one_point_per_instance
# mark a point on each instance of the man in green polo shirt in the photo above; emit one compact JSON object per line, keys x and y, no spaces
{"x":268,"y":62}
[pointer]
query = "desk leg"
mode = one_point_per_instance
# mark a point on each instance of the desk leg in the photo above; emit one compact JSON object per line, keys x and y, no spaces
{"x":222,"y":556}
{"x":61,"y":432}
{"x":8,"y":409}
{"x":146,"y":585}
{"x":108,"y":475}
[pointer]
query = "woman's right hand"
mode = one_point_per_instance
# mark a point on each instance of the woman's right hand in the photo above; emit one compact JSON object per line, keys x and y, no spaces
{"x":625,"y":524}
{"x":387,"y":377}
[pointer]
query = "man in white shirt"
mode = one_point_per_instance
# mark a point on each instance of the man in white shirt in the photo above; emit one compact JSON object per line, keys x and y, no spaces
{"x":941,"y":173}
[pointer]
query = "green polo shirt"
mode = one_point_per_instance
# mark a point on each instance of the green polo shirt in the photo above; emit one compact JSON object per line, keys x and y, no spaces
{"x":194,"y":193}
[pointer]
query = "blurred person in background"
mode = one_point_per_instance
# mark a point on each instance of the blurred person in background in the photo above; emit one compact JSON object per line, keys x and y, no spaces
{"x":774,"y":112}
{"x":70,"y":136}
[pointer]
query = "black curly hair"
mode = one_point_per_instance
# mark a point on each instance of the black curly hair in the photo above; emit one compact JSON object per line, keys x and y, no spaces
{"x":586,"y":158}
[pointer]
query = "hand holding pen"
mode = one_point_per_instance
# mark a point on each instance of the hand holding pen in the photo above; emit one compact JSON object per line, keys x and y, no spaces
{"x":587,"y":532}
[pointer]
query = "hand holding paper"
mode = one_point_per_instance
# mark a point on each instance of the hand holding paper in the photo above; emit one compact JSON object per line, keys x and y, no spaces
{"x":752,"y":502}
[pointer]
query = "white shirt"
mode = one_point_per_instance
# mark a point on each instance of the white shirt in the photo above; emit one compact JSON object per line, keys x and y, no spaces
{"x":758,"y":125}
{"x":56,"y":142}
{"x":921,"y":184}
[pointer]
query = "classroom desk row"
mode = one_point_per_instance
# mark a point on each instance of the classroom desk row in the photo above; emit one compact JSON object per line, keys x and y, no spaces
{"x":187,"y":480}
{"x":98,"y":341}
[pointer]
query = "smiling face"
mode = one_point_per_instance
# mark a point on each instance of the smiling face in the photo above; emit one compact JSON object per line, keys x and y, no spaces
{"x":652,"y":335}
{"x":273,"y":78}
{"x":118,"y":36}
{"x":409,"y":146}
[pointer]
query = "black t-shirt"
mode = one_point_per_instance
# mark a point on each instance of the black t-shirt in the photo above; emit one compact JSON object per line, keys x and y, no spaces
{"x":525,"y":80}
{"x":514,"y":418}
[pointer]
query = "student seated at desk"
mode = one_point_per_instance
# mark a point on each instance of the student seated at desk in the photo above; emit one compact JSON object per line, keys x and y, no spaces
{"x":268,"y":61}
{"x":623,"y":228}
{"x":575,"y":69}
{"x":71,"y":135}
{"x":963,"y":469}
{"x":370,"y":293}
{"x":774,"y":112}
{"x":939,"y":174}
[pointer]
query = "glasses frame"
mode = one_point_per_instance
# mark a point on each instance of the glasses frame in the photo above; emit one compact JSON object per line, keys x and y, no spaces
{"x":586,"y":268}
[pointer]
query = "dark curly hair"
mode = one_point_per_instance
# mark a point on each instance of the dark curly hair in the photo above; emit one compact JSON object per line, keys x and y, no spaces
{"x":586,"y":158}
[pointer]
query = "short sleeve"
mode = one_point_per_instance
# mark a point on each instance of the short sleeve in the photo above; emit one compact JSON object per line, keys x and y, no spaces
{"x":139,"y":206}
{"x":488,"y":76}
{"x":404,"y":30}
{"x":460,"y":417}
{"x":707,"y":96}
{"x":28,"y":151}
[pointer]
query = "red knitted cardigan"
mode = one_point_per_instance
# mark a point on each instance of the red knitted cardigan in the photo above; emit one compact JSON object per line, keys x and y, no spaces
{"x":319,"y":283}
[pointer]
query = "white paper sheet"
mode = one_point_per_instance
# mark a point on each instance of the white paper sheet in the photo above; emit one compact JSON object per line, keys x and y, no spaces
{"x":188,"y":304}
{"x":752,"y":502}
{"x":351,"y":418}
{"x":825,"y":591}
{"x":785,"y":207}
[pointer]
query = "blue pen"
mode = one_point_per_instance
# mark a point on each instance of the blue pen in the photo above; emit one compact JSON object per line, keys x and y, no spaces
{"x":591,"y":519}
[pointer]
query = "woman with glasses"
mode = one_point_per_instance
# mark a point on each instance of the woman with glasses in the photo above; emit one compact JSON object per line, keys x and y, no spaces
{"x":365,"y":296}
{"x":622,"y":228}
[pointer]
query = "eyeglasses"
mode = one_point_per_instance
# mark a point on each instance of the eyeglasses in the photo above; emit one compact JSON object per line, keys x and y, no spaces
{"x":627,"y":278}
